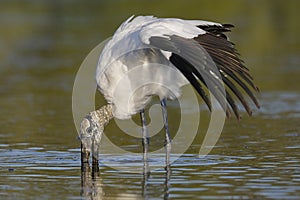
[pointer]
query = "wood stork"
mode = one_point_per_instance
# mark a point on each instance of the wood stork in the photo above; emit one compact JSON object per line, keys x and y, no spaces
{"x":173,"y":52}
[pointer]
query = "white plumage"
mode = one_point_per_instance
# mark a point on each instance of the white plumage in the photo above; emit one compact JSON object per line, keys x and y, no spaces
{"x":129,"y":62}
{"x":150,"y":56}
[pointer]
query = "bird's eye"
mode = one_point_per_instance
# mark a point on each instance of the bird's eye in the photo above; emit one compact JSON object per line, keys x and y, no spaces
{"x":89,"y":130}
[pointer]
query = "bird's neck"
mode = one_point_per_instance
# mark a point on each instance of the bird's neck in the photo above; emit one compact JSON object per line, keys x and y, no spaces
{"x":103,"y":115}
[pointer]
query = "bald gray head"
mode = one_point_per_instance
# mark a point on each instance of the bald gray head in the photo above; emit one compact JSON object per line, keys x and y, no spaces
{"x":92,"y":126}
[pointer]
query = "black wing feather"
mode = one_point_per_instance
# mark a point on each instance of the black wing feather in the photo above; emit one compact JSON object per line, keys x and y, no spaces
{"x":228,"y":62}
{"x":222,"y":54}
{"x":185,"y":68}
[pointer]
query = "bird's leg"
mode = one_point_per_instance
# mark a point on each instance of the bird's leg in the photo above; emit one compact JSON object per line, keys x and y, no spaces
{"x":163,"y":104}
{"x":145,"y":141}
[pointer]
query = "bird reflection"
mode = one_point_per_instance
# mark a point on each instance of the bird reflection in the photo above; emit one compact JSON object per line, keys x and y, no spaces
{"x":167,"y":181}
{"x":92,"y":186}
{"x":91,"y":182}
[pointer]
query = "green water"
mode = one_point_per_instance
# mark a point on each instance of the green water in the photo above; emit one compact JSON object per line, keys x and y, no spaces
{"x":42,"y":46}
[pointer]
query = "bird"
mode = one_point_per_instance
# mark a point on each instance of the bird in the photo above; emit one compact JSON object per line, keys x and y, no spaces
{"x":149,"y":56}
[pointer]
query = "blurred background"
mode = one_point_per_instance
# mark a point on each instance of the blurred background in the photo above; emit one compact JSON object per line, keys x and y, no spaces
{"x":42,"y":44}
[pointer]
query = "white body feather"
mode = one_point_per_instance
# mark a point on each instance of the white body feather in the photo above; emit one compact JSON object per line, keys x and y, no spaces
{"x":130,"y":70}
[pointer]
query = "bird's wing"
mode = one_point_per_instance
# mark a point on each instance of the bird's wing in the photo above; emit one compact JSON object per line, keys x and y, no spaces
{"x":193,"y":62}
{"x":208,"y":56}
{"x":231,"y":67}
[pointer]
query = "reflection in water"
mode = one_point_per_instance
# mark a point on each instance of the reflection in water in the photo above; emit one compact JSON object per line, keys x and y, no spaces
{"x":91,"y":182}
{"x":256,"y":167}
{"x":167,"y":181}
{"x":92,"y":186}
{"x":145,"y":180}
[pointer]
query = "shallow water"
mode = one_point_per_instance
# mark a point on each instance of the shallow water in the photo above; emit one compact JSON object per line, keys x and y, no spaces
{"x":43,"y":47}
{"x":260,"y":160}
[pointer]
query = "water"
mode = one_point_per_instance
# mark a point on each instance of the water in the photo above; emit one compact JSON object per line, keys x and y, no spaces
{"x":42,"y":46}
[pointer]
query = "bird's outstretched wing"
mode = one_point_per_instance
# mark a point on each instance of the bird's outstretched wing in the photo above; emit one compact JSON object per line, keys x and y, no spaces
{"x":227,"y":59}
{"x":208,"y":59}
